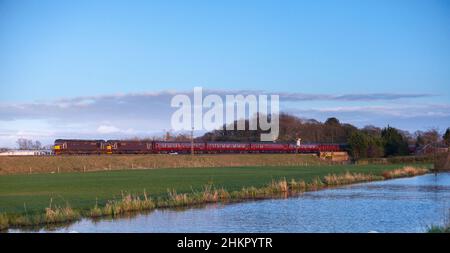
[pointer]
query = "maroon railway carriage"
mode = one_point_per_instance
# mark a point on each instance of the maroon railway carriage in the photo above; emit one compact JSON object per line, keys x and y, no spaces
{"x":261,"y":147}
{"x":308,"y":148}
{"x":163,"y":147}
{"x":80,"y":147}
{"x":227,"y":147}
{"x":130,"y":147}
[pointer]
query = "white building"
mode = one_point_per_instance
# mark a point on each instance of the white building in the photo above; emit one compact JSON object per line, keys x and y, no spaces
{"x":26,"y":152}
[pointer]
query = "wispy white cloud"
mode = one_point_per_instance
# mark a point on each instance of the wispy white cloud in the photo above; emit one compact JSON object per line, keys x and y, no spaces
{"x":410,"y":117}
{"x":103,"y":129}
{"x":352,"y":97}
{"x":404,"y":111}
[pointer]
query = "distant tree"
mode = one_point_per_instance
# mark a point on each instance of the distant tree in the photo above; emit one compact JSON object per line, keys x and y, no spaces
{"x":332,"y":131}
{"x":371,"y":130}
{"x":420,"y":141}
{"x":407,"y":136}
{"x":446,"y":136}
{"x":431,"y":136}
{"x":347,"y":130}
{"x":394,"y":142}
{"x":182,"y":137}
{"x":37,"y":145}
{"x":375,"y":146}
{"x":24,"y":143}
{"x":332,"y":121}
{"x":358,"y":143}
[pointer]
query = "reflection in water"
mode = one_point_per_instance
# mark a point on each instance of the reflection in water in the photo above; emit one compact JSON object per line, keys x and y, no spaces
{"x":400,"y":205}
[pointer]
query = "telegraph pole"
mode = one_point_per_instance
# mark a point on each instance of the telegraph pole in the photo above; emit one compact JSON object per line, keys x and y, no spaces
{"x":298,"y":144}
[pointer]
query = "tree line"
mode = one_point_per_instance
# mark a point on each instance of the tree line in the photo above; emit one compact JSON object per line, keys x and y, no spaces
{"x":367,"y":142}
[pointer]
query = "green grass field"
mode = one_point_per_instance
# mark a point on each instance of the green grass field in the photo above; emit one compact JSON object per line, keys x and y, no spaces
{"x":81,"y":190}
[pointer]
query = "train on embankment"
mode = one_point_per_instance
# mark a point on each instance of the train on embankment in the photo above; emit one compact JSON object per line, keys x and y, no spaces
{"x":90,"y":147}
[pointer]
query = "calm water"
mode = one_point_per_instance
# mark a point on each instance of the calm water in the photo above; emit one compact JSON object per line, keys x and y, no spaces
{"x":400,"y":205}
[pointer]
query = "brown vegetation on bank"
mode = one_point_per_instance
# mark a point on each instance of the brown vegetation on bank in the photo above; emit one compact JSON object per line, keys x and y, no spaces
{"x":407,"y":171}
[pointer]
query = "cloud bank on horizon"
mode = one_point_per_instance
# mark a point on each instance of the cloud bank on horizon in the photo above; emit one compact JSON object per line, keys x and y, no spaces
{"x":147,"y":114}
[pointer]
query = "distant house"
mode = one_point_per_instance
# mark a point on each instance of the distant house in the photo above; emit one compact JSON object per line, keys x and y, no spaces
{"x":432,"y":149}
{"x":26,"y":153}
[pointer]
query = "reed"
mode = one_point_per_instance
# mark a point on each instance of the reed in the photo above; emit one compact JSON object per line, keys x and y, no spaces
{"x":224,"y":195}
{"x":96,"y":211}
{"x":280,"y":186}
{"x":177,"y":199}
{"x":4,"y":221}
{"x":407,"y":171}
{"x":128,"y":203}
{"x":349,"y":178}
{"x":299,"y":186}
{"x":443,"y":228}
{"x":209,"y":194}
{"x":315,"y":184}
{"x":24,"y":220}
{"x":58,"y":214}
{"x":245,"y":193}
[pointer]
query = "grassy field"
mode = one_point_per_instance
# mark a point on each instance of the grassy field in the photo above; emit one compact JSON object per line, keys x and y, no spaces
{"x":32,"y":193}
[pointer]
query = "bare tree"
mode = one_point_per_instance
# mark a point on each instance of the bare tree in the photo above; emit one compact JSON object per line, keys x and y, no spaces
{"x":24,"y":143}
{"x":37,"y":145}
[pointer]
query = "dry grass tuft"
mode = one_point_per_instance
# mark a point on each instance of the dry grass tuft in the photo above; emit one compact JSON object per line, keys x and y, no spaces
{"x":407,"y":171}
{"x":4,"y":221}
{"x":349,"y":178}
{"x":299,"y":186}
{"x":315,"y":184}
{"x":128,"y":203}
{"x":59,"y":214}
{"x":280,"y":186}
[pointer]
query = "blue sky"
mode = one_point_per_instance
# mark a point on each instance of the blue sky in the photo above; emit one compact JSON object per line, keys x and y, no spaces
{"x":53,"y":51}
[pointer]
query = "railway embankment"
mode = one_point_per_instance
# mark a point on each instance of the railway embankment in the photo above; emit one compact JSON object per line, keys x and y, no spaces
{"x":88,"y":163}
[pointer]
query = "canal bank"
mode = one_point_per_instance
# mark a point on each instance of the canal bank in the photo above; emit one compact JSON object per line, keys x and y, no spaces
{"x":399,"y":205}
{"x":56,"y":215}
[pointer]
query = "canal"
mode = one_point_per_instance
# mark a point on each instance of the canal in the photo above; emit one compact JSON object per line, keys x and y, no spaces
{"x":399,"y":205}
